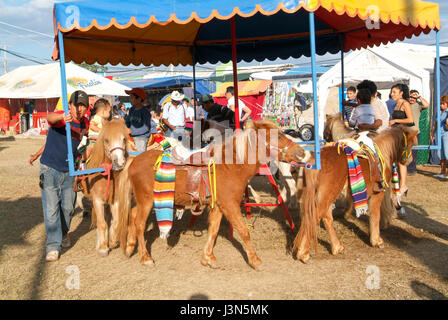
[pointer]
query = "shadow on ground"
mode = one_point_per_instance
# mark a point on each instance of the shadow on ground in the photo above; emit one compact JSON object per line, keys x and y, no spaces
{"x":19,"y":217}
{"x":415,"y":246}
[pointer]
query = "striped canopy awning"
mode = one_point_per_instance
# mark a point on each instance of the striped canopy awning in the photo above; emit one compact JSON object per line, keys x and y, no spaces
{"x":196,"y":31}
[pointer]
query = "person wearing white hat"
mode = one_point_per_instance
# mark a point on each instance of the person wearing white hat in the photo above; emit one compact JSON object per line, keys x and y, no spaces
{"x":174,"y":116}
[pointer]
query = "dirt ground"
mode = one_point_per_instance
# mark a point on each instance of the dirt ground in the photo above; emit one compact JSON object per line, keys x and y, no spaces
{"x":413,"y":264}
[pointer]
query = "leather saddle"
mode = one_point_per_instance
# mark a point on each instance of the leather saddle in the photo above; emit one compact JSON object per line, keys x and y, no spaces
{"x":194,"y":164}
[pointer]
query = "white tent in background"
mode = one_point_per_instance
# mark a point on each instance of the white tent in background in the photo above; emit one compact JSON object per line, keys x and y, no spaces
{"x":267,"y":75}
{"x":44,"y":81}
{"x":385,"y":65}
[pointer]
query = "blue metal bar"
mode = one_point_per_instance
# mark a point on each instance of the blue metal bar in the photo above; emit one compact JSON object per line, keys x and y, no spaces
{"x":341,"y":98}
{"x":194,"y":83}
{"x":342,"y":78}
{"x":311,"y":142}
{"x":437,"y":97}
{"x":313,"y":71}
{"x":71,"y":164}
{"x":426,"y":148}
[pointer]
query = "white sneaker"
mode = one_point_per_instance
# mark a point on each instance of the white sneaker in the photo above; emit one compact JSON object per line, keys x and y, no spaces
{"x":52,"y":256}
{"x":66,"y":243}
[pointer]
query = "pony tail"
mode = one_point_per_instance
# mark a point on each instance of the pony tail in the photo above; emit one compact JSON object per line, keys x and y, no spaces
{"x":308,"y":212}
{"x":124,"y":204}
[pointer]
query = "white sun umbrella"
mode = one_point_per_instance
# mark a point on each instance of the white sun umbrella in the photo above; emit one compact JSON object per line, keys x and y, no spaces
{"x":44,"y":81}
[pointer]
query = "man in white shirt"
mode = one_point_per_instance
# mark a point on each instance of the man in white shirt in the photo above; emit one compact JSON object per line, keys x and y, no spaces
{"x":244,"y":111}
{"x":379,"y":108}
{"x":381,"y":112}
{"x":189,"y":109}
{"x":174,"y":116}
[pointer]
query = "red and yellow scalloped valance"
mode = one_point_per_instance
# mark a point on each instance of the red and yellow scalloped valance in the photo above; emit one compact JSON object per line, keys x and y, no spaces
{"x":188,"y":31}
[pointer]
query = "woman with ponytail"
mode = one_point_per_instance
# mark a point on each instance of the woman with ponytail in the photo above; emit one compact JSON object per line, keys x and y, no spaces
{"x":402,"y":115}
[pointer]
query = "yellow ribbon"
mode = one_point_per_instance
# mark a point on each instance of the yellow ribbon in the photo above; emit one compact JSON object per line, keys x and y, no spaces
{"x":159,"y":161}
{"x":405,"y":151}
{"x":212,"y":185}
{"x":380,"y":159}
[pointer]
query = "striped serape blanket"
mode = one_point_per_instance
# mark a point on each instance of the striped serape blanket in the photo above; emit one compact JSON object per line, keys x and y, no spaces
{"x":357,"y":183}
{"x":164,"y":185}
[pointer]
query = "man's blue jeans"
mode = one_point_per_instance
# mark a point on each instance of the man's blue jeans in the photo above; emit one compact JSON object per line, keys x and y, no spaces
{"x":58,"y":203}
{"x":141,"y":143}
{"x":178,"y":133}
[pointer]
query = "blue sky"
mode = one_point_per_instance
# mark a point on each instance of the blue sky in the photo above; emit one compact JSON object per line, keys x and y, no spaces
{"x":37,"y":15}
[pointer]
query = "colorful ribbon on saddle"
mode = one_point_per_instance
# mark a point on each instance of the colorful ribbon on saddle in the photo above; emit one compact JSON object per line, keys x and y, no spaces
{"x":164,"y":185}
{"x":395,"y":180}
{"x":356,"y":179}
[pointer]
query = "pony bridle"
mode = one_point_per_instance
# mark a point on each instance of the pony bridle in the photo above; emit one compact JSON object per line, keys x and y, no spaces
{"x":283,"y":150}
{"x":116,"y":148}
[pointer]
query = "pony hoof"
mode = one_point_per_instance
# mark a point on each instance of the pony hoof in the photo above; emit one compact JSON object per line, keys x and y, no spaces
{"x":305,"y":258}
{"x":256,"y":265}
{"x":149,"y":263}
{"x":210,"y":263}
{"x":214,"y":265}
{"x":337,"y":250}
{"x":103,"y":253}
{"x":113,"y":245}
{"x":129,"y":251}
{"x":378,"y":244}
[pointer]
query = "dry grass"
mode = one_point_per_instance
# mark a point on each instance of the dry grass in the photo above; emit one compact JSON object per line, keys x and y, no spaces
{"x":412,"y":265}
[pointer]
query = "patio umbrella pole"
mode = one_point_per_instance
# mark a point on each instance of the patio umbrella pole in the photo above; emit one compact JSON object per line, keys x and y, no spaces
{"x":235,"y":73}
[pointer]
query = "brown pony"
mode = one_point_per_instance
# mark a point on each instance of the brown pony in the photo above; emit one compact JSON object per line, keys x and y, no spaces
{"x":322,"y":187}
{"x":335,"y":130}
{"x":244,"y":149}
{"x":110,"y":149}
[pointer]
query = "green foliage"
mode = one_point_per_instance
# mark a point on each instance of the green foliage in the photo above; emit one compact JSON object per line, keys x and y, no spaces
{"x":93,"y":67}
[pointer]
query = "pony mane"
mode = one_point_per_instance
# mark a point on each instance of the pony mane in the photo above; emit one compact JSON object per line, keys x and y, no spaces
{"x":111,"y":129}
{"x":337,"y":127}
{"x":241,"y":142}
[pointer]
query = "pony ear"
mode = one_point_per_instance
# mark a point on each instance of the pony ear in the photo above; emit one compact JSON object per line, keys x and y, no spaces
{"x":130,"y":145}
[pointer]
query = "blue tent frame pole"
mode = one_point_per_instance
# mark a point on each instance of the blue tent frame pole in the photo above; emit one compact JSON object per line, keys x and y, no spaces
{"x":194,"y":83}
{"x":71,"y":164}
{"x":316,"y":108}
{"x":436,"y":99}
{"x":439,"y":131}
